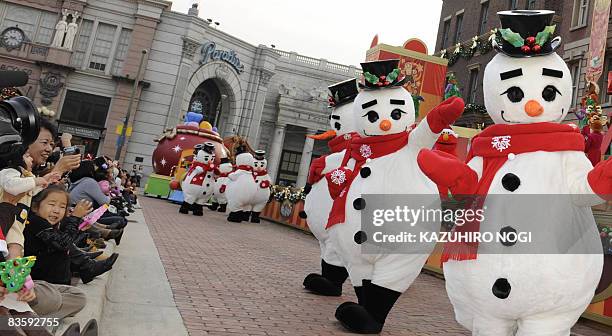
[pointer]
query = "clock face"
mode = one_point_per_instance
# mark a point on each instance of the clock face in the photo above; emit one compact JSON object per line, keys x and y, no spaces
{"x":12,"y":37}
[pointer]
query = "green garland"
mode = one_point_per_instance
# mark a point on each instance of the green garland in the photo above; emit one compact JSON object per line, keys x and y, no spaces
{"x":282,"y":193}
{"x":471,"y":108}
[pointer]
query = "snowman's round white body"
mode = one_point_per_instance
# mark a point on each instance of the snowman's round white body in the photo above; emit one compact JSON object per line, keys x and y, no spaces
{"x":262,"y":193}
{"x":197,"y":185}
{"x":241,"y":187}
{"x":546,"y":293}
{"x":393,"y":174}
{"x":221,"y":182}
{"x":318,"y":202}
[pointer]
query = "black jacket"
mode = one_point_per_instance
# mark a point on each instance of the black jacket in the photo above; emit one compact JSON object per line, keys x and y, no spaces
{"x":51,"y":246}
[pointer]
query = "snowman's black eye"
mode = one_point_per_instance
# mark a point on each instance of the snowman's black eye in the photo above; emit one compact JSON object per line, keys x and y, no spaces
{"x":396,"y":114}
{"x":550,"y":93}
{"x":515,"y":94}
{"x":372,"y":116}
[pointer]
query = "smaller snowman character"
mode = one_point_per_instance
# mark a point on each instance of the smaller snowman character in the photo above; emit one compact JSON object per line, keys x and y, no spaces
{"x":198,"y":181}
{"x":383,"y":162}
{"x":263,"y":181}
{"x":319,"y":190}
{"x":518,"y":288}
{"x":221,"y":180}
{"x":241,"y":188}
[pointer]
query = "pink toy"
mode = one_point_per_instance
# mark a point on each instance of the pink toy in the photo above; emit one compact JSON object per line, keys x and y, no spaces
{"x":93,"y":216}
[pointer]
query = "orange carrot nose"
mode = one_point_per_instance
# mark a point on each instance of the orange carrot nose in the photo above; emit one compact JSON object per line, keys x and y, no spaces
{"x":533,"y":108}
{"x":385,"y":125}
{"x":445,"y":137}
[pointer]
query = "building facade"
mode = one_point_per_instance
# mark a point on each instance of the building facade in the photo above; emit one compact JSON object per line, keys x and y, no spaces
{"x":461,"y":21}
{"x":272,"y":97}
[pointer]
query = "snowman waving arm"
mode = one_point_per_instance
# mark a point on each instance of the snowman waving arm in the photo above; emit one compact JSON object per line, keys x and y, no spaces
{"x":443,"y":115}
{"x":588,"y":186}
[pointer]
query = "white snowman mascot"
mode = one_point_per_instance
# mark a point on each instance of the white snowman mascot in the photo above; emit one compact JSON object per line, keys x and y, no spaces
{"x":383,"y":161}
{"x":263,"y":182}
{"x":241,"y":188}
{"x":527,"y":92}
{"x":221,"y":180}
{"x":318,"y":200}
{"x":198,"y":182}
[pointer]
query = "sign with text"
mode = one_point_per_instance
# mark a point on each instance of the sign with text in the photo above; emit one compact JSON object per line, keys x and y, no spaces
{"x":84,"y":132}
{"x":210,"y":53}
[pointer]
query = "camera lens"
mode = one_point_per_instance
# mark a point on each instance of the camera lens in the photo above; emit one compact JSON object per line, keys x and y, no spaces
{"x":19,"y":116}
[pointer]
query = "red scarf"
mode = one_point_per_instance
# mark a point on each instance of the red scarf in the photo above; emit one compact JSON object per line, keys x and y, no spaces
{"x":341,"y":142}
{"x":199,"y":179}
{"x":335,"y":145}
{"x":360,"y":150}
{"x":244,"y":167}
{"x":260,"y":173}
{"x":493,"y":145}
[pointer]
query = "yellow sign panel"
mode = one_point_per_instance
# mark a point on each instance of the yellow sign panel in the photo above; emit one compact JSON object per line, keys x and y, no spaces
{"x":119,"y":130}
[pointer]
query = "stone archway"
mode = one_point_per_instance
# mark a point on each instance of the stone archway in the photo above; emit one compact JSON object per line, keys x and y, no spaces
{"x":228,"y":83}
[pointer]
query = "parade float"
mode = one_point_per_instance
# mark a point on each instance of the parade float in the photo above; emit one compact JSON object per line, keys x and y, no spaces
{"x":174,"y":152}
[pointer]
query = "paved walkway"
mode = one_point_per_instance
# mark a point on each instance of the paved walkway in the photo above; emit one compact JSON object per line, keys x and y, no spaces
{"x":246,"y":279}
{"x":139,"y":300}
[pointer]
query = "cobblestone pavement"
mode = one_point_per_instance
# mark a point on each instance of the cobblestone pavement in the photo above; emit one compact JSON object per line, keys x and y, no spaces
{"x":246,"y":279}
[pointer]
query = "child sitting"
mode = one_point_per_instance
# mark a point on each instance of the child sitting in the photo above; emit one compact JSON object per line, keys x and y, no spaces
{"x":50,"y":236}
{"x":16,"y":181}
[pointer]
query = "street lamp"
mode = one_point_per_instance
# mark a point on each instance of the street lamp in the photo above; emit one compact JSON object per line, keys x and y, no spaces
{"x":121,"y":140}
{"x":219,"y":106}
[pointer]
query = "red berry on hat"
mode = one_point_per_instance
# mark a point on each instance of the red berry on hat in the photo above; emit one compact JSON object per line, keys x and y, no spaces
{"x":387,"y":82}
{"x":530,"y":40}
{"x":536,"y":48}
{"x":379,"y":84}
{"x":382,"y":78}
{"x":526,"y":49}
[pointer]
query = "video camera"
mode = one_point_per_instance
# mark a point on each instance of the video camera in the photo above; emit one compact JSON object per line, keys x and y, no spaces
{"x":19,"y":118}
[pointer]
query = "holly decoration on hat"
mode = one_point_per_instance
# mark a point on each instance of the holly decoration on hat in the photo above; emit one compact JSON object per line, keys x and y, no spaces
{"x":382,"y":80}
{"x":531,"y":44}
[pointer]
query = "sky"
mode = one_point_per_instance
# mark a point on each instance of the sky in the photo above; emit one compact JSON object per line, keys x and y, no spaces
{"x":337,"y":30}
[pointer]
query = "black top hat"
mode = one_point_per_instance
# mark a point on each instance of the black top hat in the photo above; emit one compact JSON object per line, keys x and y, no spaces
{"x":197,"y":148}
{"x":526,"y":33}
{"x":382,"y":74}
{"x":209,"y":148}
{"x":240,"y":150}
{"x":260,"y":154}
{"x":342,"y":92}
{"x":225,"y":160}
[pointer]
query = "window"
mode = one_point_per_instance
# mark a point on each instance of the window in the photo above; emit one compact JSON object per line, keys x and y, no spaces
{"x":38,"y":26}
{"x":473,"y":88}
{"x":513,"y":4}
{"x":484,"y":12}
{"x":80,"y":46}
{"x":122,"y":49}
{"x":531,"y":4}
{"x":86,"y":109}
{"x":575,"y":72}
{"x":580,"y":14}
{"x":102,"y":46}
{"x":458,"y":26}
{"x":445,"y":33}
{"x":289,"y":167}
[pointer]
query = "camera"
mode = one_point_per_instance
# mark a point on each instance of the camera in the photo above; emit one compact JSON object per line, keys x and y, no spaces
{"x":19,"y":118}
{"x":72,"y":150}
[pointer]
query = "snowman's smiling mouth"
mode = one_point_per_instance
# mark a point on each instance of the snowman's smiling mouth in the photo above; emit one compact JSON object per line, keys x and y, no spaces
{"x":518,"y":122}
{"x":366,"y":133}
